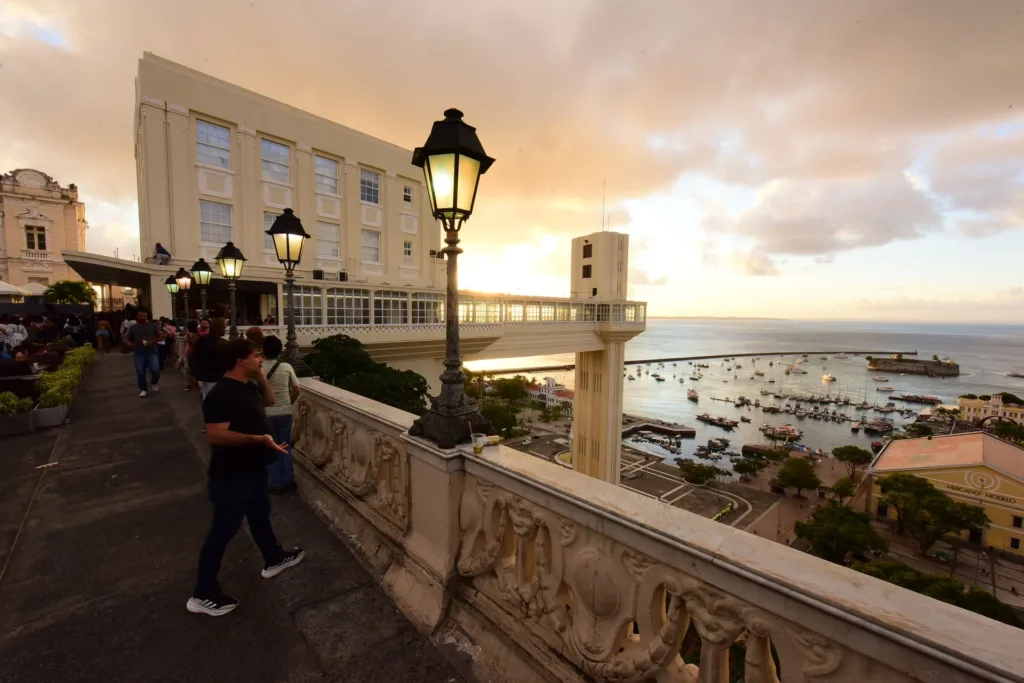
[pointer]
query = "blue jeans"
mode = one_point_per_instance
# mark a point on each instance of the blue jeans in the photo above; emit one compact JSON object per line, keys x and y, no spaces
{"x":244,"y":497}
{"x":280,"y":471}
{"x":147,"y":360}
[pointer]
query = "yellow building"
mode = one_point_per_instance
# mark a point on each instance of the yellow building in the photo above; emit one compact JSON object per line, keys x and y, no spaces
{"x":975,"y":468}
{"x":38,"y":220}
{"x":976,"y":409}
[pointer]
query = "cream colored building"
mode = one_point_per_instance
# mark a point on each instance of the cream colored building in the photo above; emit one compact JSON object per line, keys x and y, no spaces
{"x":217,"y":163}
{"x":38,"y":220}
{"x":976,"y":409}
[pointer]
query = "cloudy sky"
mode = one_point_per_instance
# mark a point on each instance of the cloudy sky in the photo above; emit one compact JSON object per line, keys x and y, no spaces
{"x":803,"y":159}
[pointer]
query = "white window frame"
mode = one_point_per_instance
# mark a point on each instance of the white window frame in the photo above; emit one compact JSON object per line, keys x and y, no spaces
{"x":308,"y":305}
{"x":348,"y":306}
{"x":210,"y":137}
{"x":407,"y":195}
{"x":274,"y":161}
{"x":268,"y":242}
{"x":216,"y":223}
{"x":390,"y":307}
{"x":37,"y":231}
{"x":407,"y":251}
{"x":325,"y":182}
{"x":369,"y":186}
{"x":364,"y":246}
{"x":321,"y":228}
{"x":427,"y":308}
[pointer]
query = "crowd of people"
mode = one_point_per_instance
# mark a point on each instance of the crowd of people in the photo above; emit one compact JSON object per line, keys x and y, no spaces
{"x":24,"y":336}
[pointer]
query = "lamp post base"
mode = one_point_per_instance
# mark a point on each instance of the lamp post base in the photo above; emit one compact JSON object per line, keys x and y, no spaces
{"x":449,"y":426}
{"x":294,"y":358}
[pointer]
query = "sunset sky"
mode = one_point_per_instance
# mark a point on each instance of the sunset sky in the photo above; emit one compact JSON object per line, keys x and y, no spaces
{"x":794,"y":159}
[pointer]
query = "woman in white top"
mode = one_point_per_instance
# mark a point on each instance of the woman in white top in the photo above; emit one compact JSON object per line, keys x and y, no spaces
{"x":282,"y":378}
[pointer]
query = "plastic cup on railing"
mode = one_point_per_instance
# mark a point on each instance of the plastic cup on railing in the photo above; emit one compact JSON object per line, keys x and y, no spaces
{"x":479,"y":441}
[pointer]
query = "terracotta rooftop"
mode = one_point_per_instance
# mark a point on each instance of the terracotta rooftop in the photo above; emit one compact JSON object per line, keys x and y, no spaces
{"x":955,"y":450}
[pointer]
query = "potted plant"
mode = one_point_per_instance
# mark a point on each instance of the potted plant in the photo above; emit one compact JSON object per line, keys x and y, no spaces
{"x":53,"y":406}
{"x":15,"y":414}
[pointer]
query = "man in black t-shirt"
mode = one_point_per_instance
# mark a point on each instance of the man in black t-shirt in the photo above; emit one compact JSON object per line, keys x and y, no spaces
{"x":241,"y":447}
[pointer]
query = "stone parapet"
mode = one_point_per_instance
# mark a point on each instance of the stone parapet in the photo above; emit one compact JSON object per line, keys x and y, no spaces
{"x":539,"y":574}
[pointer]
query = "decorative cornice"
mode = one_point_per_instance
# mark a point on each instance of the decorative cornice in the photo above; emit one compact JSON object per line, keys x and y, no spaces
{"x":153,"y":102}
{"x":303,"y":147}
{"x":178,"y":109}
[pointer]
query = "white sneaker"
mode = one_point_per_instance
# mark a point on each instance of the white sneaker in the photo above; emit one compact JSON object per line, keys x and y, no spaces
{"x":155,"y":388}
{"x":142,"y":394}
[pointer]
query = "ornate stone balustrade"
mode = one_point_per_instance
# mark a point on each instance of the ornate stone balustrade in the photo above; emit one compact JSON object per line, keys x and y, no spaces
{"x":541,"y":574}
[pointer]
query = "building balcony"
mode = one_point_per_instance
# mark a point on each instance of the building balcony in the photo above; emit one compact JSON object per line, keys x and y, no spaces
{"x":538,"y":573}
{"x":490,"y":325}
{"x":35,"y":254}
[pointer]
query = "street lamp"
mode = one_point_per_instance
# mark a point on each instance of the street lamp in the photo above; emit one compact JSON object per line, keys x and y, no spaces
{"x":231,"y":260}
{"x":184,"y":281}
{"x":289,"y":236}
{"x":452,"y":160}
{"x":202,"y":273}
{"x":172,"y":289}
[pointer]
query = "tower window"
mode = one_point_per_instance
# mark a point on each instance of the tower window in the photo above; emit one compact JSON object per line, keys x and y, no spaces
{"x":586,"y":271}
{"x":588,"y":250}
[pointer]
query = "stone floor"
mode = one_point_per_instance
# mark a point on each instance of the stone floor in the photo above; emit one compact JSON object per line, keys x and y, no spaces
{"x":101,"y":521}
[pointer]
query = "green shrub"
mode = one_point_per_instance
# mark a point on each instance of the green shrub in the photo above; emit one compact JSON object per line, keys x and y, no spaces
{"x":985,"y":397}
{"x":11,"y":405}
{"x":969,"y":396}
{"x":59,"y":395}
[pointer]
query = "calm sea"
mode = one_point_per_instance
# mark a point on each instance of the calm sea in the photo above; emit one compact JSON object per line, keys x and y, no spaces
{"x":985,"y":354}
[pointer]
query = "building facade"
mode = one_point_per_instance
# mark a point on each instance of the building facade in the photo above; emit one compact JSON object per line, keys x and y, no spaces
{"x":974,"y":468}
{"x":38,"y":220}
{"x":976,"y":409}
{"x":218,"y":163}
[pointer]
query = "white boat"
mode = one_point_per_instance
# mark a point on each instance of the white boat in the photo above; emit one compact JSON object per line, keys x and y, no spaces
{"x":884,"y":387}
{"x":841,"y":355}
{"x":828,"y":378}
{"x":879,"y":378}
{"x":797,"y":370}
{"x":692,"y":395}
{"x":822,"y":357}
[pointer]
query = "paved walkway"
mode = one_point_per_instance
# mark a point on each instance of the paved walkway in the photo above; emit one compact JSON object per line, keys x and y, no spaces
{"x":98,"y":554}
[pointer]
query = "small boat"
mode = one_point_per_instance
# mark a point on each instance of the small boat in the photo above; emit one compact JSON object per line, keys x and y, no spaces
{"x":797,"y":371}
{"x":758,"y":373}
{"x":1014,"y":374}
{"x":884,"y":387}
{"x":630,"y":377}
{"x":694,"y":378}
{"x":841,"y":355}
{"x":822,"y":357}
{"x":771,"y":381}
{"x":744,"y":418}
{"x":692,"y":395}
{"x":879,"y":378}
{"x":659,"y":378}
{"x":828,"y":378}
{"x":765,"y":392}
{"x":855,"y":427}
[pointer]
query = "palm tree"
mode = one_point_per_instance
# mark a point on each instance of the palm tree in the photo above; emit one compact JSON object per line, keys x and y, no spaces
{"x":70,"y":292}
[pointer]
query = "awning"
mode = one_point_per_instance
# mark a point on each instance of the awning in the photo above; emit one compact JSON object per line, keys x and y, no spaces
{"x":35,"y":289}
{"x":106,"y":270}
{"x":7,"y":289}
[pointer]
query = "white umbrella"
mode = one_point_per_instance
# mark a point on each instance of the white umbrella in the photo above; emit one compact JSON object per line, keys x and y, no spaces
{"x":34,"y":289}
{"x":9,"y":289}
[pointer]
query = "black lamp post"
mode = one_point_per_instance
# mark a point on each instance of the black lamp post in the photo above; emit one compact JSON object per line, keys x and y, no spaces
{"x":172,"y":289}
{"x":452,"y":161}
{"x":289,"y":236}
{"x":184,"y":281}
{"x":202,"y":273}
{"x":231,"y":260}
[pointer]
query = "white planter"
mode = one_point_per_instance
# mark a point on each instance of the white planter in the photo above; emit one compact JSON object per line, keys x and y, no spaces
{"x":50,"y":417}
{"x":18,"y":424}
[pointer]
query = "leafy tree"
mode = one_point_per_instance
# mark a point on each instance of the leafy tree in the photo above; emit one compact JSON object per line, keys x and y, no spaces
{"x":697,"y":473}
{"x":985,"y":397}
{"x":503,"y":418}
{"x":556,"y":412}
{"x":836,"y":533}
{"x":510,"y":389}
{"x":918,"y":429}
{"x":854,"y":457}
{"x":70,"y":292}
{"x":749,"y":467}
{"x":941,"y":588}
{"x":940,"y":515}
{"x":843,"y":489}
{"x":935,"y":358}
{"x":344,"y":362}
{"x":799,"y":474}
{"x":971,"y":396}
{"x":1011,"y":431}
{"x":906,"y":494}
{"x":403,"y":389}
{"x":1011,"y":398}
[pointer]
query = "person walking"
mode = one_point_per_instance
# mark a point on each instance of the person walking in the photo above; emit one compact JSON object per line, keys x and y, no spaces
{"x":241,"y":447}
{"x":285,"y":383}
{"x":207,"y":352}
{"x":142,"y":338}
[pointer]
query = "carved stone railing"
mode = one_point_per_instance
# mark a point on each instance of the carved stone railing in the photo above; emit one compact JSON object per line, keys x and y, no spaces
{"x":543,"y":574}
